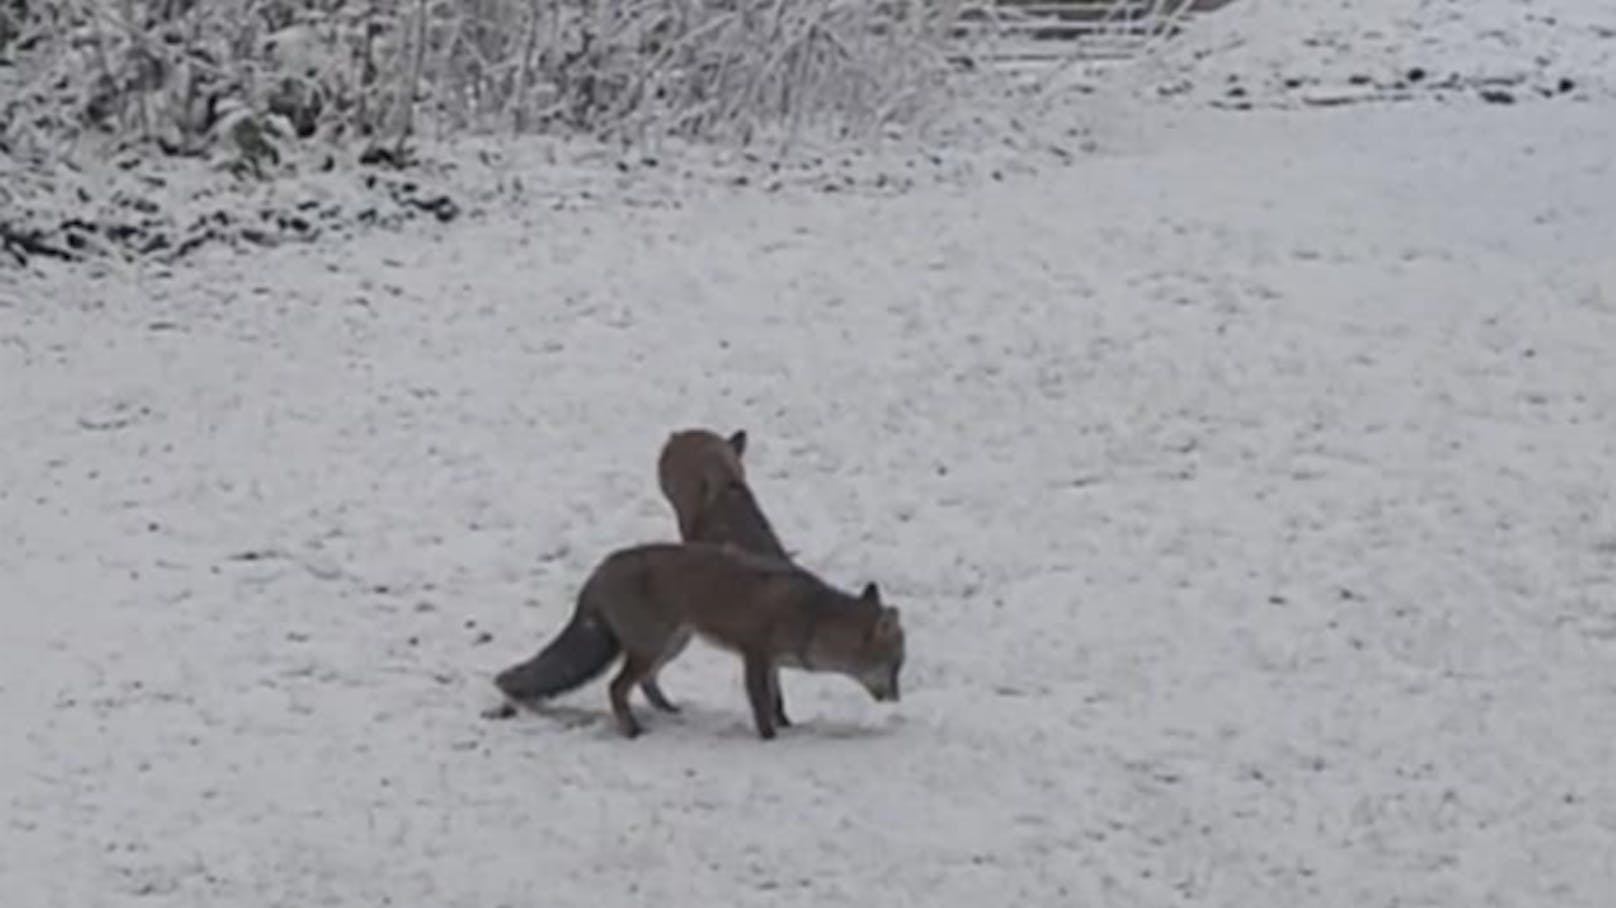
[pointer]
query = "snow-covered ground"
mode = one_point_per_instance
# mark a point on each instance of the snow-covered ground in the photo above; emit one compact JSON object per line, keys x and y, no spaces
{"x":1288,"y":53}
{"x":1246,"y":487}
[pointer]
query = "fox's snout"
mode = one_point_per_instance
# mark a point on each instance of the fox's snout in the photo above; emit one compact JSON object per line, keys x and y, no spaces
{"x":884,"y":688}
{"x":889,"y":694}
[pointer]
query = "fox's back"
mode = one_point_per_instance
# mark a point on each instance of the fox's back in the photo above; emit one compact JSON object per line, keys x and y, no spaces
{"x":710,"y":587}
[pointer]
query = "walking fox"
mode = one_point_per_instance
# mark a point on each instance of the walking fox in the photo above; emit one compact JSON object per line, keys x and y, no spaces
{"x":646,"y":601}
{"x":701,"y":474}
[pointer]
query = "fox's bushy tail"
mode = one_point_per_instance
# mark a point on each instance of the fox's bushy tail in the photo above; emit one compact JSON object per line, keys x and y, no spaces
{"x":579,"y":654}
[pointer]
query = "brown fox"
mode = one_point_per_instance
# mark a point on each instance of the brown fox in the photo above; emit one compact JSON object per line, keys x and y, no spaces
{"x":701,"y":474}
{"x":646,"y":601}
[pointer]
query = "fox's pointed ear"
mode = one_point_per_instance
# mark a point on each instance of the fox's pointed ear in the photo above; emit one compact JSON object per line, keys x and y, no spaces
{"x":871,"y":593}
{"x":886,"y":626}
{"x":737,"y":442}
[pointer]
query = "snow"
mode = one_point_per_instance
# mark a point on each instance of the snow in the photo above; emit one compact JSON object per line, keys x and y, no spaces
{"x":1245,"y":487}
{"x":1289,"y":53}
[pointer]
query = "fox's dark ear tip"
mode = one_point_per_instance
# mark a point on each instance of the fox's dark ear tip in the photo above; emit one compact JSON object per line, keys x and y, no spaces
{"x":738,"y":441}
{"x":871,"y":593}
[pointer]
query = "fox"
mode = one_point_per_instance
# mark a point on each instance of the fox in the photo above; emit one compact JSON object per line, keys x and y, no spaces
{"x":701,"y":474}
{"x":645,"y":602}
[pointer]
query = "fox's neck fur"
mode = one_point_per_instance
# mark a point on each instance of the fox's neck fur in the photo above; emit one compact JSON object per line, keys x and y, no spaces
{"x":735,"y":518}
{"x":824,"y":607}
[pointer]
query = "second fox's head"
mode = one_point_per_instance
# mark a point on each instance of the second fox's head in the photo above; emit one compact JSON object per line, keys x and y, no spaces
{"x":871,"y":648}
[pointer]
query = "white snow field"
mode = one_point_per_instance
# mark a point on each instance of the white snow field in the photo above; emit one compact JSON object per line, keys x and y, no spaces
{"x":1246,"y":487}
{"x":1289,"y":53}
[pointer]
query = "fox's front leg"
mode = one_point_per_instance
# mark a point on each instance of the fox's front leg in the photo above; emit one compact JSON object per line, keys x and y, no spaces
{"x":759,"y":672}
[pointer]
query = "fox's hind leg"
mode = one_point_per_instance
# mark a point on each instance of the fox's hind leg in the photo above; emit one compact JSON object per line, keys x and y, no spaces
{"x":653,"y":691}
{"x":635,"y":668}
{"x":658,"y":699}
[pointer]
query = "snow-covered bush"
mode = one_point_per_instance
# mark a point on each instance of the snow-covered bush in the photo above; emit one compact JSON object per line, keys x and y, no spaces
{"x":109,"y":107}
{"x":244,"y":79}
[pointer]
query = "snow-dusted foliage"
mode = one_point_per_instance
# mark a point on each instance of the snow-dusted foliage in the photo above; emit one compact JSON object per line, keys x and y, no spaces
{"x":166,"y":91}
{"x":248,"y":78}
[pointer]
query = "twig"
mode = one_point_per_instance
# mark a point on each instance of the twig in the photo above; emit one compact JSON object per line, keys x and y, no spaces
{"x":413,"y":80}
